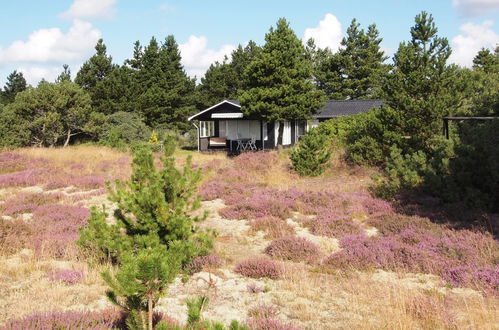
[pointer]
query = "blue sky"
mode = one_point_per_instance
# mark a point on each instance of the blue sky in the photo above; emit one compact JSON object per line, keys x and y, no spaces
{"x":39,"y":36}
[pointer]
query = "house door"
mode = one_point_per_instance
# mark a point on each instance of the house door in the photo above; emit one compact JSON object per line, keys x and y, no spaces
{"x":286,"y":134}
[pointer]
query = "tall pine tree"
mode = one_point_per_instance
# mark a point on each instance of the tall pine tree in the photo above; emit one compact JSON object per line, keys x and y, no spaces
{"x":279,"y":85}
{"x":225,"y":80}
{"x":15,"y":84}
{"x":165,"y":92}
{"x":421,"y":86}
{"x":95,"y":70}
{"x":356,"y":71}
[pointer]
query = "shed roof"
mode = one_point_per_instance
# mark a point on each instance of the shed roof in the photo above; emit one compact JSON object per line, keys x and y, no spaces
{"x":336,"y":108}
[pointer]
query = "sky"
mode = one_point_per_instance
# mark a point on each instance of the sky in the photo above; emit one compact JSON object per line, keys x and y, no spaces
{"x":38,"y":37}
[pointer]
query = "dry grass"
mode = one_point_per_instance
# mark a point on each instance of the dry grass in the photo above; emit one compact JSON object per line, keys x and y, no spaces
{"x":25,"y":287}
{"x":367,"y":301}
{"x":89,"y":155}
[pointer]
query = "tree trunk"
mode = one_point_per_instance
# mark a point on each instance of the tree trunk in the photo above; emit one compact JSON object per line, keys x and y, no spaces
{"x":280,"y":134}
{"x":67,"y":138}
{"x":149,"y":311}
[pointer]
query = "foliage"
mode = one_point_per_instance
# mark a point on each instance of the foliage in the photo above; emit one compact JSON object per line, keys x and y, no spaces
{"x":154,"y":234}
{"x":67,"y":276}
{"x":65,"y":75}
{"x":123,"y":128}
{"x":259,"y":267}
{"x":421,"y":87}
{"x":293,"y":248}
{"x":356,"y":70}
{"x":49,"y":114}
{"x":92,"y":74}
{"x":141,"y":280}
{"x":312,"y":154}
{"x":165,"y":94}
{"x":420,"y":246}
{"x":278,"y":80}
{"x":153,"y":209}
{"x":14,"y":85}
{"x":224,"y":80}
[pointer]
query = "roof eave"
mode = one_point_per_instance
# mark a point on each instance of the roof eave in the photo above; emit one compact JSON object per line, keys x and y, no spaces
{"x":214,"y":106}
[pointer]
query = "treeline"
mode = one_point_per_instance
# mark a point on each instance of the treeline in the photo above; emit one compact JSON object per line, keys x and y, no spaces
{"x":117,"y":104}
{"x":405,"y":138}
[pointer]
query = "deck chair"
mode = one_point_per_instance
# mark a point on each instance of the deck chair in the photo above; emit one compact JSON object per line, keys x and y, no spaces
{"x":251,"y":144}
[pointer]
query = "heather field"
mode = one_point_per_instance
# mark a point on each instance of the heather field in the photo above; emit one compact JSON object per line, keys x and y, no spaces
{"x":290,"y":253}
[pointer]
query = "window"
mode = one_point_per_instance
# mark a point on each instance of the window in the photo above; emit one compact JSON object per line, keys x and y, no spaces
{"x":206,"y":128}
{"x":301,"y":128}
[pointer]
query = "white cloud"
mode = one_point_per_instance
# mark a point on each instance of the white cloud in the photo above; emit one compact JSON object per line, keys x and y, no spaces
{"x":327,"y":34}
{"x":90,"y":9}
{"x":52,"y":45}
{"x":196,"y":57}
{"x":34,"y":74}
{"x":473,"y":37}
{"x":471,"y":8}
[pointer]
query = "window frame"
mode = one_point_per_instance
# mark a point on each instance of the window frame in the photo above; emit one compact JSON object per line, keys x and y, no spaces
{"x":206,"y":128}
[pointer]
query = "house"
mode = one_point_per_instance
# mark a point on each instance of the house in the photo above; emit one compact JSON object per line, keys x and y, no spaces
{"x":223,"y":126}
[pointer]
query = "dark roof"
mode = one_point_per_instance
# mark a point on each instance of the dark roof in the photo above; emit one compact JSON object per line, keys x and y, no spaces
{"x":234,"y":101}
{"x":336,"y":108}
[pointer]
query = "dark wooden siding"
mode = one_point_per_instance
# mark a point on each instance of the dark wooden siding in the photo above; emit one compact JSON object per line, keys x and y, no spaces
{"x":269,"y":144}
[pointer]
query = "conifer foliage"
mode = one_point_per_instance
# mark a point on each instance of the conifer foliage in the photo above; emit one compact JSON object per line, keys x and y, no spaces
{"x":312,"y":155}
{"x":279,"y":85}
{"x":153,"y":233}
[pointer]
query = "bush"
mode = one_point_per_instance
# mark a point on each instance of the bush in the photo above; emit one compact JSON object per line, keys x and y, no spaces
{"x":462,"y":258}
{"x":123,"y":128}
{"x":312,"y":154}
{"x":269,"y":324}
{"x":259,"y":267}
{"x":107,"y":319}
{"x":202,"y":262}
{"x":67,"y":276}
{"x":293,"y":248}
{"x":272,"y":226}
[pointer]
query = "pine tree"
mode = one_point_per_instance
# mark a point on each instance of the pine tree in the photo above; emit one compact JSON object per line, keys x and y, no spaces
{"x":52,"y":113}
{"x":153,"y":208}
{"x":166,"y":93}
{"x":65,"y":75}
{"x":93,"y":72}
{"x":421,"y":86}
{"x":15,"y":84}
{"x":327,"y":70}
{"x":98,"y":67}
{"x":312,"y":154}
{"x":141,"y":280}
{"x":226,"y":79}
{"x":279,"y":85}
{"x":356,"y":70}
{"x":154,"y":233}
{"x":487,"y":61}
{"x":216,"y":85}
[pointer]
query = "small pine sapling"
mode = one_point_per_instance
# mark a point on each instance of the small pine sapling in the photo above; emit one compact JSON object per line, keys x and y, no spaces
{"x":312,"y":154}
{"x":154,"y":233}
{"x":153,"y":207}
{"x":140,"y":282}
